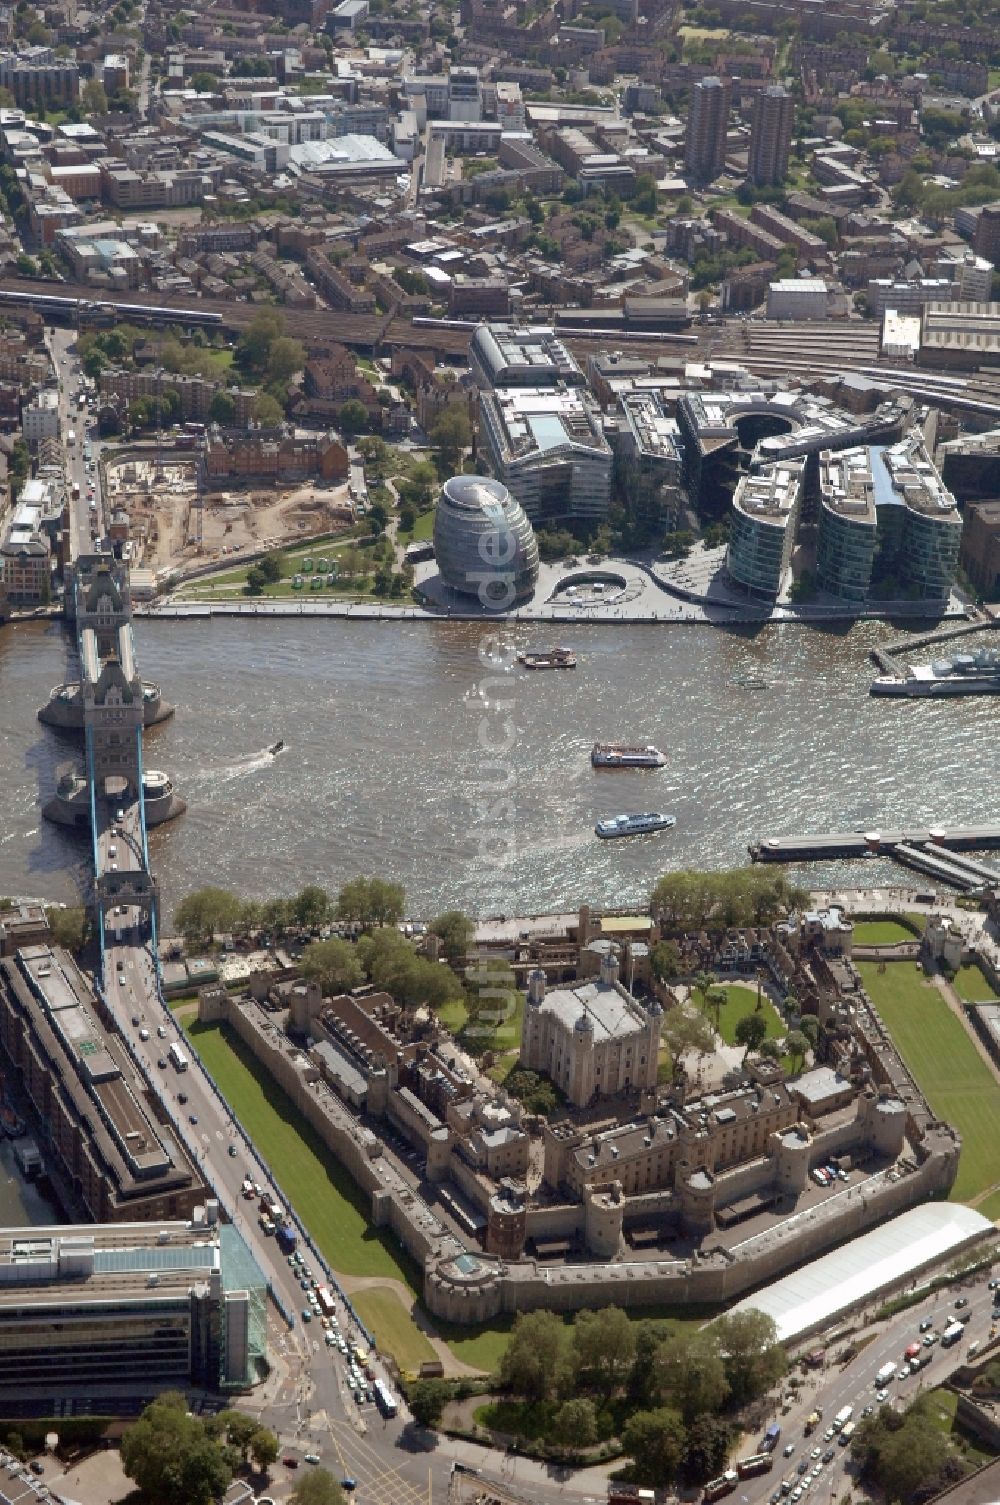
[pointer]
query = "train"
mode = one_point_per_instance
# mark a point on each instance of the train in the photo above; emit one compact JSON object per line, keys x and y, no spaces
{"x":568,"y":331}
{"x":108,"y":310}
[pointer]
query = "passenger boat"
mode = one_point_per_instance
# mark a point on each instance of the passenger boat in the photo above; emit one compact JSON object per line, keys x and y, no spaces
{"x":551,"y":658}
{"x":620,"y":755}
{"x":633,"y":825}
{"x":277,"y":748}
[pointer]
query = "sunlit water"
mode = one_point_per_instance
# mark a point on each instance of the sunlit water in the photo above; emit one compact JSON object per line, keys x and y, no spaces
{"x":409,"y":757}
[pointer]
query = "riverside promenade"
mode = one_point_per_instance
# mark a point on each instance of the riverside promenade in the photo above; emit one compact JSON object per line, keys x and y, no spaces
{"x":637,"y":593}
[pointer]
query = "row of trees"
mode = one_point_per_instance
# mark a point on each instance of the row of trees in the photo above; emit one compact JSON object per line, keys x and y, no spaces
{"x":666,"y":1388}
{"x":685,"y":901}
{"x":210,"y":911}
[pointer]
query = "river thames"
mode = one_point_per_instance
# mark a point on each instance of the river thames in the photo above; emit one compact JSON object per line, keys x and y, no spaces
{"x":408,"y":757}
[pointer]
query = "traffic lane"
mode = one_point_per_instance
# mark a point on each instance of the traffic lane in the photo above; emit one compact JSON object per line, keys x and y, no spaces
{"x":854,"y":1384}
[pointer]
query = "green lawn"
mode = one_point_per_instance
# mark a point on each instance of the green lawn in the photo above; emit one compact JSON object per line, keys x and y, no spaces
{"x":740,"y":1001}
{"x":422,"y":530}
{"x":989,"y":1207}
{"x":972,"y":987}
{"x":382,"y":1312}
{"x":291,"y":559}
{"x":948,"y":1068}
{"x":324,"y":1196}
{"x":182,"y":1001}
{"x":881,"y":933}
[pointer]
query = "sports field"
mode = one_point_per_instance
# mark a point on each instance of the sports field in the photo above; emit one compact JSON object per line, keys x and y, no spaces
{"x":948,"y":1069}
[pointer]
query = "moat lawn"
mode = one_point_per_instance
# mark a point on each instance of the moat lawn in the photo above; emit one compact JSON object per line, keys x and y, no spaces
{"x":972,"y":986}
{"x":382,"y":1311}
{"x":882,"y":933}
{"x":948,"y":1069}
{"x":317,"y":1185}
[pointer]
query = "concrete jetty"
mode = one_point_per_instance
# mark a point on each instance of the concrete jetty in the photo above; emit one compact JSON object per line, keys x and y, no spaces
{"x":921,"y":848}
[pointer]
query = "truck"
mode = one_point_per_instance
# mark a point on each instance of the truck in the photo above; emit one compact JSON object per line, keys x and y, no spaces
{"x":629,"y":1494}
{"x":71,"y":437}
{"x":885,"y":1374}
{"x":842,"y":1417}
{"x":770,"y":1439}
{"x":758,"y":1463}
{"x":286,"y":1236}
{"x":327,"y":1304}
{"x":847,"y":1433}
{"x":953,"y":1333}
{"x":715,"y":1489}
{"x":812,"y":1422}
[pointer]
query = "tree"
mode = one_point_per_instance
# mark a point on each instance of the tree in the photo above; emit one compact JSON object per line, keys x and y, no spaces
{"x":655,"y":1441}
{"x":204,"y":82}
{"x":604,"y":1347}
{"x":284,"y":358}
{"x":451,"y":434}
{"x":690,"y":1372}
{"x":94,"y":363}
{"x":809,"y":1026}
{"x":574,"y":1425}
{"x":312,"y":906}
{"x":685,"y":1029}
{"x":267,"y":411}
{"x":353,"y":416}
{"x":535,"y":1092}
{"x":751,"y":1353}
{"x":93,"y":99}
{"x":317,"y":1487}
{"x":172,"y":1457}
{"x":796,"y":1045}
{"x":426,"y":1401}
{"x":255,"y":344}
{"x":222,"y":409}
{"x":205,"y":913}
{"x":770,"y":1050}
{"x":270,"y":568}
{"x":239,"y":1429}
{"x":334,"y":965}
{"x":371,"y":901}
{"x":536,"y":1362}
{"x":751,"y":1032}
{"x":68,"y":926}
{"x":665,"y":960}
{"x":686,"y":901}
{"x":264,"y":1448}
{"x":643,"y":1388}
{"x":706,"y":1449}
{"x":455,"y":931}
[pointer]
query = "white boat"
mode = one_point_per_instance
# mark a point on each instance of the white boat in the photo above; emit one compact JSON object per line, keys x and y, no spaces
{"x":966,"y":674}
{"x":633,"y":825}
{"x":621,"y":755}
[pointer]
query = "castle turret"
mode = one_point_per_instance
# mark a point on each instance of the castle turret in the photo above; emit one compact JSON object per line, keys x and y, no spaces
{"x":604,"y":1217}
{"x":609,"y":968}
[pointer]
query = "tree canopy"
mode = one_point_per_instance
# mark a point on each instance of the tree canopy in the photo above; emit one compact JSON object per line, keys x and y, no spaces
{"x":206,"y":912}
{"x":371,"y":901}
{"x":334,"y":965}
{"x":173,"y":1456}
{"x":455,"y":931}
{"x":688,"y":901}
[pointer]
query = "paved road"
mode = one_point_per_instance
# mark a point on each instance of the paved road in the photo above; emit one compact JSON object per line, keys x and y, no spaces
{"x":854,"y":1384}
{"x":86,"y":521}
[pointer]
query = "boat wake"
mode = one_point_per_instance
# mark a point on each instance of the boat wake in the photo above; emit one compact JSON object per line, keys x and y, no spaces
{"x":250,"y":764}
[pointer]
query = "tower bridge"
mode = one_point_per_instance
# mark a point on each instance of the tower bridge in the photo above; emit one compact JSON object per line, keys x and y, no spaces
{"x":115,"y":796}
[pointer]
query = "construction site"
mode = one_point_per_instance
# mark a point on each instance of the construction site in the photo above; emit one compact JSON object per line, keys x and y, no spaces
{"x":177,"y":523}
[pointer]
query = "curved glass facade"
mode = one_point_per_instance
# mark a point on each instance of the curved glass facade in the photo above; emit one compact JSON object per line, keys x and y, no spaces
{"x":483,"y":542}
